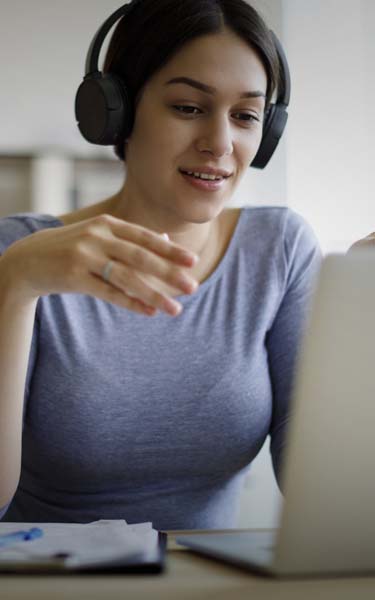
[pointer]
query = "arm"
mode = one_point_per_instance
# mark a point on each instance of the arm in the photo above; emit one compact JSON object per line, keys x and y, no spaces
{"x":16,"y":327}
{"x":68,"y":259}
{"x":301,"y":262}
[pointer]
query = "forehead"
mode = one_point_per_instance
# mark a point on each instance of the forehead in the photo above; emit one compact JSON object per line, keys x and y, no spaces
{"x":223,"y":60}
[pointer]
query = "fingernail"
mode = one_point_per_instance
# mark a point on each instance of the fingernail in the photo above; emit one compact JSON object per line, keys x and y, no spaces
{"x":130,"y":294}
{"x":173,"y":306}
{"x":165,"y":236}
{"x":188,"y":257}
{"x":187,"y":285}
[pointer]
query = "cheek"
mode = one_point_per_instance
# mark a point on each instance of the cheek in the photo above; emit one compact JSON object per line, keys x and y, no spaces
{"x":247,"y":148}
{"x":256,"y":138}
{"x":157,"y":138}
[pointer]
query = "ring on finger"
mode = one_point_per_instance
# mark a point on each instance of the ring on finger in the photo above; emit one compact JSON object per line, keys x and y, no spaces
{"x":106,"y":272}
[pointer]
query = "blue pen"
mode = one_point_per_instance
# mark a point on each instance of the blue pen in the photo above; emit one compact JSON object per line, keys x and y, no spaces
{"x":19,"y":536}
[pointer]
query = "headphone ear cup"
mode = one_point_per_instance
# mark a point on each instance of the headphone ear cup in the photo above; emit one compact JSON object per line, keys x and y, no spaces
{"x":274,"y":126}
{"x":103,"y":109}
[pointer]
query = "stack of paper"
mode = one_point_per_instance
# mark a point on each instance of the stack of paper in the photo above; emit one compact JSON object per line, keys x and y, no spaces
{"x":77,"y":545}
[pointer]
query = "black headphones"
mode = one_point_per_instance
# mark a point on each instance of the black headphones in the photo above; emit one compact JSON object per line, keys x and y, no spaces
{"x":104,"y":106}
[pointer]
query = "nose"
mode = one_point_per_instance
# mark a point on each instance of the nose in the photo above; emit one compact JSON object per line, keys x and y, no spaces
{"x":216,"y":137}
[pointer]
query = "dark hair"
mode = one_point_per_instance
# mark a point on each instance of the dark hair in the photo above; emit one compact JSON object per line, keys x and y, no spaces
{"x":154,"y":30}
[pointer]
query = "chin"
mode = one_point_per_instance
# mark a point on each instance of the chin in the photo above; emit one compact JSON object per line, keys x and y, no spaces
{"x":200,"y":212}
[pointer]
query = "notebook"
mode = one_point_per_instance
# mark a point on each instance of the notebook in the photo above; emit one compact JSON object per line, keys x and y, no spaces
{"x":105,"y":546}
{"x":327,"y":524}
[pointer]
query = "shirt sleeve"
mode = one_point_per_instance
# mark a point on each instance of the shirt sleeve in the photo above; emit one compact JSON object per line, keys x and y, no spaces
{"x":301,"y":260}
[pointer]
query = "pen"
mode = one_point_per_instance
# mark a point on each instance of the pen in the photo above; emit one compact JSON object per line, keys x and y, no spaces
{"x":20,"y":536}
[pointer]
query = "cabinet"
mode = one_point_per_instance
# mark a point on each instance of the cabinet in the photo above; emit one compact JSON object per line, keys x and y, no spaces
{"x":56,"y":184}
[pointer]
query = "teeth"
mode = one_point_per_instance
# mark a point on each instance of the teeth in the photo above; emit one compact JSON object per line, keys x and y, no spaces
{"x":205,"y":176}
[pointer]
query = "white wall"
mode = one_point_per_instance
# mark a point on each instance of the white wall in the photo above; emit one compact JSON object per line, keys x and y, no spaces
{"x":330,"y":155}
{"x":43,"y":44}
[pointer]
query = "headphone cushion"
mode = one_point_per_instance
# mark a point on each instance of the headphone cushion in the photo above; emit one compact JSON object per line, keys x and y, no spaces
{"x":274,"y":126}
{"x":102,"y":108}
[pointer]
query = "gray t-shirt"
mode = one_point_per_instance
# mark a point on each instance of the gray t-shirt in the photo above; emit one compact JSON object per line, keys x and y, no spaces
{"x":158,"y":419}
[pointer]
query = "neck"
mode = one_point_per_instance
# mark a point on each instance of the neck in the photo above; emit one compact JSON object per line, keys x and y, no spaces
{"x":197,"y":237}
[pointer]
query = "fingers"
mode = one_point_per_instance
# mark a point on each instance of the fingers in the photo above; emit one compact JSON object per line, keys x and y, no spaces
{"x":127,"y":289}
{"x":97,"y":288}
{"x":156,"y":243}
{"x":126,"y":280}
{"x":141,"y":259}
{"x":365,"y":243}
{"x":135,"y":251}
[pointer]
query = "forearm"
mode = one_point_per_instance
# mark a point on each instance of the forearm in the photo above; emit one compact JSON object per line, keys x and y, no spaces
{"x":16,"y":327}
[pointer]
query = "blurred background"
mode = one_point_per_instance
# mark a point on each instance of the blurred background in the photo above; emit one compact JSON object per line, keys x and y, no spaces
{"x":323,"y":167}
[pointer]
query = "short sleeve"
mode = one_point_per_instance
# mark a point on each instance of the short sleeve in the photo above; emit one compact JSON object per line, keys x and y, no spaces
{"x":300,"y":264}
{"x":13,"y":228}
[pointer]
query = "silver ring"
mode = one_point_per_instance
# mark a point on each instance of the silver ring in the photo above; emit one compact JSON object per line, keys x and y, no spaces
{"x":107,"y":270}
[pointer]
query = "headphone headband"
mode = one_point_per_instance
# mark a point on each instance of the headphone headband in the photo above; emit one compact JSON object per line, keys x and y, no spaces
{"x":283,"y":95}
{"x":92,"y":59}
{"x":104,"y":106}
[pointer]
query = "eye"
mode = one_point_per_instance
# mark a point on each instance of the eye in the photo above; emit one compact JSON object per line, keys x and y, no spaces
{"x":186,"y":109}
{"x":247,"y":117}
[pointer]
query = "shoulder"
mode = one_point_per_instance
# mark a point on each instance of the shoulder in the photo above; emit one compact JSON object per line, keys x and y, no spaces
{"x":17,"y":226}
{"x":284,"y":237}
{"x":276,"y":219}
{"x":278,"y":226}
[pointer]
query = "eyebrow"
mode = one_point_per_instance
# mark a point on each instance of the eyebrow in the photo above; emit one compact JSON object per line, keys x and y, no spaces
{"x":211,"y":90}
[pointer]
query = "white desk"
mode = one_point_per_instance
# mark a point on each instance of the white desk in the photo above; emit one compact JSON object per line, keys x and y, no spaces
{"x":187,"y":576}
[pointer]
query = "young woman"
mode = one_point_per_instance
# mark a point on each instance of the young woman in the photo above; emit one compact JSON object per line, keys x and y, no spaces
{"x":141,"y":375}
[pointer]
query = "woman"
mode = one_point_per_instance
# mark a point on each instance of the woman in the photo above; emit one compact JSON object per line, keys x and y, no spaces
{"x":122,"y":416}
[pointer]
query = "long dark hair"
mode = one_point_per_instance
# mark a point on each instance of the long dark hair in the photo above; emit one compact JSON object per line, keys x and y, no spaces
{"x":154,"y":30}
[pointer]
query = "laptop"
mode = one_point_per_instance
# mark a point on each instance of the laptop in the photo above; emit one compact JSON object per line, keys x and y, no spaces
{"x":327,"y":521}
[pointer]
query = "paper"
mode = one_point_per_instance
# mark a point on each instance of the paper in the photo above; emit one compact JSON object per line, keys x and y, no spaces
{"x":90,"y":543}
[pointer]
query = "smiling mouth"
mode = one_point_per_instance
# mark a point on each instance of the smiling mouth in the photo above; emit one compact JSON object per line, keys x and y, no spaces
{"x":204,"y":176}
{"x":203,"y":184}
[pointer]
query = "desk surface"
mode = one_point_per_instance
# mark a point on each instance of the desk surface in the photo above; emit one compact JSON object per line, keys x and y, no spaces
{"x":187,"y":576}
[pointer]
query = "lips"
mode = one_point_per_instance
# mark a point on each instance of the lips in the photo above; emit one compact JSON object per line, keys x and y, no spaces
{"x":208,"y":185}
